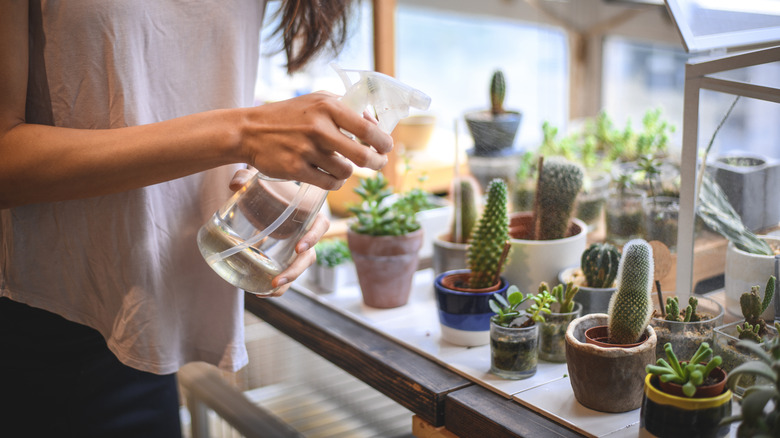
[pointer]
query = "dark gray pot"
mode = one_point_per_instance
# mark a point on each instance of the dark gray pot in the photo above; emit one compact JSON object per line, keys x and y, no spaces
{"x":493,"y":135}
{"x":746,"y":186}
{"x":593,"y":299}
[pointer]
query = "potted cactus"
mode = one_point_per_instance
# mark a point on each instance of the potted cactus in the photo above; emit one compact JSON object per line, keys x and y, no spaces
{"x":494,"y":130}
{"x":609,"y":377}
{"x":514,"y":337}
{"x":449,"y":249}
{"x":595,"y":277}
{"x":752,"y":328}
{"x":686,"y":328}
{"x":552,"y":330}
{"x":547,"y":239}
{"x":463,"y":295}
{"x":384,"y":241}
{"x":685,"y":398}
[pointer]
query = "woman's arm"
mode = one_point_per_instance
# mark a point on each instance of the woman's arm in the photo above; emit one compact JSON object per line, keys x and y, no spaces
{"x":288,"y":139}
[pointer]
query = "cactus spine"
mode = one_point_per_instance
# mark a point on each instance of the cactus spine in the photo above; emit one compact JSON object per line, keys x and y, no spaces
{"x":489,"y":237}
{"x":630,"y":307}
{"x":468,"y":211}
{"x":559,"y":182}
{"x":599,"y":264}
{"x":754,"y":327}
{"x":497,"y":92}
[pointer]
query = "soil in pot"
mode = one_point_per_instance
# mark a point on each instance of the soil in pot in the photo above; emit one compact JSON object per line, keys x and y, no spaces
{"x":599,"y":335}
{"x":513,"y":351}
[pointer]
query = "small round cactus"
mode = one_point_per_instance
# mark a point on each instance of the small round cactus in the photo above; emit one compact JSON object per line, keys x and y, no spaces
{"x":599,"y":264}
{"x":489,"y":237}
{"x":630,"y":308}
{"x":497,"y":92}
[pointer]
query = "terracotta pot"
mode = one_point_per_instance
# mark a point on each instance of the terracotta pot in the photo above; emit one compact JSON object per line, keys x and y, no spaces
{"x":606,"y":379}
{"x":464,"y":316}
{"x":599,"y":335}
{"x":703,"y":391}
{"x":532,"y":261}
{"x":385,"y":266}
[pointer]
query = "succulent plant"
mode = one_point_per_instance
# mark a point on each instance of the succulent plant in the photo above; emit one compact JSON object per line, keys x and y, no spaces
{"x":559,"y":182}
{"x":375,"y":216}
{"x":673,"y":312}
{"x":489,"y":238}
{"x":506,"y":308}
{"x":563,"y":294}
{"x":467,"y":212}
{"x":690,"y":374}
{"x":542,"y":301}
{"x":599,"y":264}
{"x":332,"y":252}
{"x":630,"y":307}
{"x":754,"y":327}
{"x":497,"y":92}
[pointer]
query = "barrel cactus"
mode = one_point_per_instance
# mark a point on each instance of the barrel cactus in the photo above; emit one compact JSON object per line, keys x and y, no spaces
{"x":599,"y":264}
{"x":497,"y":92}
{"x":489,"y":237}
{"x":468,"y":210}
{"x":559,"y":182}
{"x":630,"y":307}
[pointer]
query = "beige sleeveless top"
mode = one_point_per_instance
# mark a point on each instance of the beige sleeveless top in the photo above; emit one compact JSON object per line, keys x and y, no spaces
{"x":128,"y":264}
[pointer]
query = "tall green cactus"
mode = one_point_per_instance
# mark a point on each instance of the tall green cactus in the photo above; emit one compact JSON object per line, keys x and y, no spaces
{"x":497,"y":92}
{"x":460,"y":229}
{"x":630,"y":307}
{"x":489,"y":237}
{"x":599,"y":263}
{"x":559,"y":182}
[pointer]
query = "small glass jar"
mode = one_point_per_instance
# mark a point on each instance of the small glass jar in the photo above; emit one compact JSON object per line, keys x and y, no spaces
{"x":661,"y":216}
{"x":686,"y":337}
{"x":552,"y":334}
{"x":513,"y":351}
{"x":725,"y":345}
{"x":625,"y":216}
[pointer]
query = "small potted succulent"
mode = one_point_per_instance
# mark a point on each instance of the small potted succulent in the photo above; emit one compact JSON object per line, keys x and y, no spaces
{"x":608,"y":376}
{"x":548,"y":239}
{"x":686,"y":328}
{"x":752,"y":328}
{"x":514,"y":338}
{"x":595,"y":277}
{"x":494,"y":130}
{"x":552,"y":330}
{"x":758,"y":417}
{"x":384,"y":241}
{"x":334,"y":268}
{"x":463,"y":295}
{"x":685,"y":398}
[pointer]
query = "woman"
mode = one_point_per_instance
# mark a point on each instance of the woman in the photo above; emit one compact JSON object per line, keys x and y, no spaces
{"x":121,"y":124}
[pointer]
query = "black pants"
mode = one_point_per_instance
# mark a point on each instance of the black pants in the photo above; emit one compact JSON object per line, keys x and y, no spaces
{"x":59,"y":379}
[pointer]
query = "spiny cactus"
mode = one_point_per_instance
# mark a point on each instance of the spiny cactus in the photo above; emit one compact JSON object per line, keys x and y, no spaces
{"x":673,"y":312}
{"x":599,"y":264}
{"x":497,"y":92}
{"x":559,"y":182}
{"x":469,"y":209}
{"x":630,"y":307}
{"x":754,"y":327}
{"x":489,"y":237}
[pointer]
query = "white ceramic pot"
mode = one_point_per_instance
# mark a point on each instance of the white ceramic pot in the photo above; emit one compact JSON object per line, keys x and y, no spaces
{"x":532,"y":261}
{"x":744,"y":270}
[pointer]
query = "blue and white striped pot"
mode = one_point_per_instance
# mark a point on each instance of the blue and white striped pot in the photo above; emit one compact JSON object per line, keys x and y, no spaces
{"x":464,"y":316}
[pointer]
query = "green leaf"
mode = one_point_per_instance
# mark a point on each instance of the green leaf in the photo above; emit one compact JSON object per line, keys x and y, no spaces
{"x":754,"y":401}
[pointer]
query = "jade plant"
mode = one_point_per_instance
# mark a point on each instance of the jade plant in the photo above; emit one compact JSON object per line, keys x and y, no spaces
{"x":563,"y":294}
{"x":465,"y":217}
{"x":754,"y":327}
{"x":673,"y":312}
{"x":489,"y":238}
{"x":497,"y":93}
{"x":758,"y":417}
{"x":559,"y":181}
{"x":506,"y":308}
{"x":599,"y":264}
{"x":630,"y":307}
{"x":377,"y":217}
{"x":690,"y":374}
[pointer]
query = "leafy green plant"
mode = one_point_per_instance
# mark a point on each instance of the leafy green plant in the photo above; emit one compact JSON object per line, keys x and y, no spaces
{"x":754,"y":327}
{"x":332,"y":252}
{"x":673,"y":312}
{"x":759,"y":418}
{"x":650,"y":168}
{"x":690,"y":374}
{"x":599,"y":264}
{"x":630,"y":307}
{"x":376,"y":216}
{"x":506,"y":308}
{"x":541,"y":306}
{"x":563,"y":294}
{"x":489,"y":238}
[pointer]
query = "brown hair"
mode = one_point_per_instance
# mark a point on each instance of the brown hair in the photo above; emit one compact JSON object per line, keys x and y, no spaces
{"x":307,"y":27}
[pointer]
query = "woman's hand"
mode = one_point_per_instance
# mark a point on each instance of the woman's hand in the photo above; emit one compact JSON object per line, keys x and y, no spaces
{"x":304,"y":248}
{"x":301,"y":139}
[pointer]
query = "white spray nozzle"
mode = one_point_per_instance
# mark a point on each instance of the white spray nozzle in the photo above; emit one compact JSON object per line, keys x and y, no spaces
{"x":389,"y":97}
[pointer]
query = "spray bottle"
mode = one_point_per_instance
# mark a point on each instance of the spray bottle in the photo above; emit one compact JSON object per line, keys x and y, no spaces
{"x":252,"y":238}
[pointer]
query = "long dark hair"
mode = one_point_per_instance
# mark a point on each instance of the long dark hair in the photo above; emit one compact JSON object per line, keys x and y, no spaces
{"x":307,"y":27}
